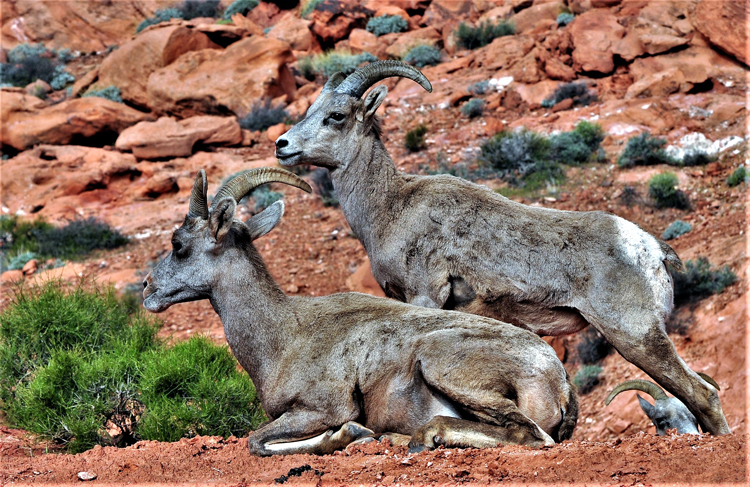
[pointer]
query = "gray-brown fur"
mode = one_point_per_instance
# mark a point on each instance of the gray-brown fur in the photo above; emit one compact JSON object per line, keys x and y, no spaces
{"x":348,"y":365}
{"x":443,"y":242}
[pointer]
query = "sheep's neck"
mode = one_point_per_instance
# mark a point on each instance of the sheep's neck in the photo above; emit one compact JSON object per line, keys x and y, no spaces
{"x":366,"y":186}
{"x":257,"y":317}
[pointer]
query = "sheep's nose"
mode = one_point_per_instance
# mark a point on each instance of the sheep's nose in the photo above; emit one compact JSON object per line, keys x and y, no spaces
{"x":281,"y":143}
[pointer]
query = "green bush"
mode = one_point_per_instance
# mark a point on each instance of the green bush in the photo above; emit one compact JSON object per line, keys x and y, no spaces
{"x":61,"y":78}
{"x":28,"y":63}
{"x":75,"y":364}
{"x":663,"y":189}
{"x":470,"y":37}
{"x":309,"y":6}
{"x":111,"y":93}
{"x":423,"y":55}
{"x":479,"y":88}
{"x":241,"y":7}
{"x":739,"y":176}
{"x":700,"y":280}
{"x":414,"y":139}
{"x":696,"y":159}
{"x":578,"y":92}
{"x":306,"y":68}
{"x":332,"y":62}
{"x":193,"y":9}
{"x":576,"y":147}
{"x":387,"y":24}
{"x":20,"y":260}
{"x":473,"y":108}
{"x":676,"y":229}
{"x":264,"y":197}
{"x":323,"y":184}
{"x":565,"y":18}
{"x":262,"y":116}
{"x":593,"y":346}
{"x":644,"y":150}
{"x":587,"y":378}
{"x":160,"y":15}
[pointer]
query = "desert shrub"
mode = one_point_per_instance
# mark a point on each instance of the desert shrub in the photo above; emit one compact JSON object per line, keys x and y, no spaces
{"x":475,"y":37}
{"x":160,"y":15}
{"x":61,"y":78}
{"x":644,"y":150}
{"x":262,"y":115}
{"x":479,"y":88}
{"x":332,"y":62}
{"x":739,"y":176}
{"x":193,"y":9}
{"x":676,"y":229}
{"x":321,"y":179}
{"x":578,"y":92}
{"x":306,"y":68}
{"x":264,"y":197}
{"x":387,"y":24}
{"x":593,"y":346}
{"x":423,"y":55}
{"x":111,"y":93}
{"x":414,"y":139}
{"x":629,"y":196}
{"x":28,"y":63}
{"x":696,"y":159}
{"x":241,"y":7}
{"x":565,"y":18}
{"x":308,"y":6}
{"x":587,"y":378}
{"x":700,"y":280}
{"x":663,"y":189}
{"x":473,"y":108}
{"x":17,"y":236}
{"x":19,"y":260}
{"x":577,"y":146}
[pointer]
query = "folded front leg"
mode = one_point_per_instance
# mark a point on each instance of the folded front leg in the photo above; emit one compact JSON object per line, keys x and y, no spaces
{"x":303,"y":432}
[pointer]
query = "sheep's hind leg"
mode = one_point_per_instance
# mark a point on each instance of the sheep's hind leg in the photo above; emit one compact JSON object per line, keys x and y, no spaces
{"x":462,"y":433}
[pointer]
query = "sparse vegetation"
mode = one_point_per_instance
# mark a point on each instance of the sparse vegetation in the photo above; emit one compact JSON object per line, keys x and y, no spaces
{"x":578,"y":92}
{"x":700,"y":280}
{"x":28,"y":63}
{"x":479,"y":88}
{"x":84,"y":368}
{"x":262,"y":116}
{"x":470,"y":37}
{"x":644,"y":150}
{"x":61,"y":78}
{"x":739,"y":176}
{"x":387,"y":24}
{"x":241,"y":7}
{"x":308,"y":6}
{"x":423,"y":55}
{"x":565,"y":18}
{"x":629,"y":196}
{"x":332,"y":62}
{"x":305,"y":68}
{"x":414,"y":139}
{"x":188,"y":10}
{"x":577,"y":146}
{"x":593,"y":346}
{"x":321,"y":179}
{"x":696,"y":159}
{"x":587,"y":378}
{"x":473,"y":108}
{"x":160,"y":15}
{"x":264,"y":197}
{"x":676,"y":229}
{"x":663,"y":189}
{"x":111,"y":93}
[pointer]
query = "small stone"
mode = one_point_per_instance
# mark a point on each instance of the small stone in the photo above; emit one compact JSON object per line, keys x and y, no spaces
{"x":30,"y":267}
{"x":84,"y":476}
{"x":276,"y":131}
{"x":292,"y":289}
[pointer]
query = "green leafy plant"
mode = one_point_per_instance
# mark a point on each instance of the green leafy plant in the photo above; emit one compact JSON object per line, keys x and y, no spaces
{"x":644,"y":150}
{"x":423,"y":55}
{"x":676,"y":229}
{"x":323,"y":184}
{"x":387,"y":24}
{"x":695,"y":159}
{"x":111,"y":93}
{"x":739,"y":176}
{"x":565,"y":18}
{"x":470,"y":37}
{"x":414,"y":139}
{"x":593,"y":346}
{"x":473,"y":108}
{"x":587,"y":378}
{"x":241,"y":7}
{"x":699,"y":280}
{"x":578,"y":92}
{"x":331,"y":62}
{"x":663,"y":189}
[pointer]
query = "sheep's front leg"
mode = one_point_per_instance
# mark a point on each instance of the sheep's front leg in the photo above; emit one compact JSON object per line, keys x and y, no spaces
{"x":303,"y":432}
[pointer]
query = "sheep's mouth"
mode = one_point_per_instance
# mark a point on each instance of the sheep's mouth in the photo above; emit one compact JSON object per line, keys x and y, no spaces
{"x":285,"y":158}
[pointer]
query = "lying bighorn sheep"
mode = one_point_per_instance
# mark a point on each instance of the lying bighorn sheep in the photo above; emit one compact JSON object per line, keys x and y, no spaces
{"x":667,"y":412}
{"x":443,"y":242}
{"x":320,"y":365}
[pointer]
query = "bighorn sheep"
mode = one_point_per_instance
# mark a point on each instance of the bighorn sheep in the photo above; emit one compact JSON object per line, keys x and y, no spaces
{"x":667,"y":412}
{"x":320,"y":365}
{"x":443,"y":242}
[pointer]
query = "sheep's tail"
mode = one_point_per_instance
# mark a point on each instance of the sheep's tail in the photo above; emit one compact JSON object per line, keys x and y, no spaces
{"x":672,"y":260}
{"x":570,"y":415}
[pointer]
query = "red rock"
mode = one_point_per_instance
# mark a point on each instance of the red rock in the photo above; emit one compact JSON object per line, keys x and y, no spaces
{"x":658,"y":43}
{"x":659,"y":84}
{"x":333,"y":20}
{"x":503,"y":52}
{"x":78,"y":119}
{"x":429,"y":36}
{"x":251,"y":27}
{"x":558,"y":344}
{"x":362,"y":281}
{"x":528,"y":69}
{"x":9,"y":277}
{"x":565,"y":104}
{"x":168,"y":137}
{"x":536,"y":93}
{"x":38,"y":88}
{"x":391,"y":10}
{"x":724,"y":23}
{"x":160,"y":184}
{"x":276,"y":131}
{"x":214,"y":82}
{"x":360,"y":40}
{"x":250,"y":137}
{"x":594,"y":35}
{"x":294,"y":31}
{"x":556,"y":69}
{"x":30,"y":267}
{"x":529,"y":18}
{"x":498,"y":13}
{"x":84,"y":82}
{"x":264,"y":14}
{"x":441,"y":11}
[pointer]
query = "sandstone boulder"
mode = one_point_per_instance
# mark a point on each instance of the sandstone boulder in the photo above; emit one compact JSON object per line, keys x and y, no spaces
{"x":594,"y":35}
{"x":527,"y":19}
{"x":659,"y":84}
{"x":222,"y":82}
{"x":724,"y":23}
{"x":404,"y":42}
{"x":168,"y":137}
{"x":333,"y":20}
{"x":391,"y":10}
{"x":503,"y":52}
{"x":697,"y":64}
{"x":360,"y":41}
{"x":95,"y":120}
{"x":130,"y":66}
{"x":441,"y":12}
{"x":294,"y":31}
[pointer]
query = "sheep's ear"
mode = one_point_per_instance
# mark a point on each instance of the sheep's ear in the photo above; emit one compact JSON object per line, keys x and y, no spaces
{"x":221,"y":218}
{"x":373,"y":101}
{"x":647,"y":407}
{"x":266,"y":220}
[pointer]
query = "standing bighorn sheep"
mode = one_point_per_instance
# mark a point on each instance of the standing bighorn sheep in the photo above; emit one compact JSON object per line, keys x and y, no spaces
{"x":443,"y":242}
{"x":320,"y":365}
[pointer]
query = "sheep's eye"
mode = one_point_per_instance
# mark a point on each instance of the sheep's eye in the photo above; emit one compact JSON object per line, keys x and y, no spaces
{"x":337,"y":116}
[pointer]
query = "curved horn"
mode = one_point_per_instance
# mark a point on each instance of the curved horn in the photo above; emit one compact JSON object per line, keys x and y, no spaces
{"x":362,"y":79}
{"x":198,"y":204}
{"x":638,"y":385}
{"x":239,"y":186}
{"x":709,"y":379}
